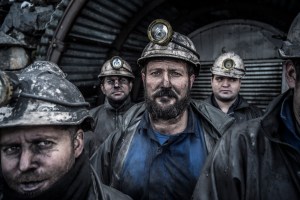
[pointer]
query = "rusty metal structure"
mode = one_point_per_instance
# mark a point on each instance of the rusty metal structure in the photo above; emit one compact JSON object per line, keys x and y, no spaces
{"x":82,"y":34}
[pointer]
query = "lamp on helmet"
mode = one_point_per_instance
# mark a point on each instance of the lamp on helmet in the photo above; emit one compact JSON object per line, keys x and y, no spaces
{"x":229,"y":64}
{"x":116,"y":66}
{"x":42,"y":96}
{"x":166,"y":43}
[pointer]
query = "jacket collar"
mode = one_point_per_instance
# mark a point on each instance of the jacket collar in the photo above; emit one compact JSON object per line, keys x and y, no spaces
{"x":271,"y":117}
{"x":219,"y":120}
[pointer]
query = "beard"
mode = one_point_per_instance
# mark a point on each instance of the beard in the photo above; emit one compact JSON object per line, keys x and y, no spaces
{"x":169,"y":112}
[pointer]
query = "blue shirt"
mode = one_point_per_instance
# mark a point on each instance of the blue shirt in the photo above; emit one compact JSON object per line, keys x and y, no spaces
{"x":290,"y":135}
{"x":167,"y":171}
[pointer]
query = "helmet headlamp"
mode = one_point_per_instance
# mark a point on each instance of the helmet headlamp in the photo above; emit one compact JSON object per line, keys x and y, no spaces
{"x":116,"y":62}
{"x":160,"y":32}
{"x":228,"y":65}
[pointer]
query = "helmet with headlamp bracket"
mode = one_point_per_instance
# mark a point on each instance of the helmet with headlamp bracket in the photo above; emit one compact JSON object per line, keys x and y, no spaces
{"x":116,"y":66}
{"x":165,"y":43}
{"x":229,"y":64}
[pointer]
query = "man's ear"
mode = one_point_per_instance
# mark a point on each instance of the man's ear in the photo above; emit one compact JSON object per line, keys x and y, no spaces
{"x":192,"y":79}
{"x":130,"y":85}
{"x":143,"y":76}
{"x":102,"y":88}
{"x":290,"y":74}
{"x":78,"y":143}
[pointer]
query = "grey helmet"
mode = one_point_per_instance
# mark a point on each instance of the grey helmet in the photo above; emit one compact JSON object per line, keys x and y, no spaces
{"x":291,"y":47}
{"x":45,"y":97}
{"x":116,"y":66}
{"x":229,"y":64}
{"x":171,"y":45}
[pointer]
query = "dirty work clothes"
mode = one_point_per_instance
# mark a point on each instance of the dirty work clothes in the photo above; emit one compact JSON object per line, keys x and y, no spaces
{"x":170,"y":170}
{"x":241,"y":110}
{"x":107,"y":120}
{"x":255,"y":160}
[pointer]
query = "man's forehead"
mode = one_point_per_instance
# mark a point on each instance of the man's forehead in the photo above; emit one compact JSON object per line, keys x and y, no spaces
{"x":167,"y":65}
{"x":167,"y":60}
{"x":19,"y":133}
{"x":222,"y":76}
{"x":115,"y":77}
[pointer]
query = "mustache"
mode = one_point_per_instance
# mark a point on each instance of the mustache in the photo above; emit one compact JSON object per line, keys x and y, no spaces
{"x":30,"y":177}
{"x":165,"y":92}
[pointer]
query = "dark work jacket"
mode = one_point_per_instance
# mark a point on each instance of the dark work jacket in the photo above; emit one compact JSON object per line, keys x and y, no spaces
{"x":252,"y":162}
{"x":109,"y":158}
{"x":243,"y":110}
{"x":107,"y":120}
{"x":100,"y":191}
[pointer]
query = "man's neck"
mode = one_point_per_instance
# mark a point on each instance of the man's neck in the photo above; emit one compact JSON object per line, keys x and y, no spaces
{"x":224,"y":106}
{"x":171,"y":126}
{"x":116,"y":104}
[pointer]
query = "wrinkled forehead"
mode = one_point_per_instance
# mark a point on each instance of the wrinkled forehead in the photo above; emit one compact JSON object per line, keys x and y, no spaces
{"x":166,"y":60}
{"x":167,"y":64}
{"x":28,"y":133}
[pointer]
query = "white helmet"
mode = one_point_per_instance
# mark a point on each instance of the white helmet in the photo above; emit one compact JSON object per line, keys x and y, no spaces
{"x":229,"y":64}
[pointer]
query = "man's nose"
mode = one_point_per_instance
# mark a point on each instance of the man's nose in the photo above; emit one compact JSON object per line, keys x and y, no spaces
{"x":166,"y":80}
{"x":26,"y":161}
{"x":225,"y":83}
{"x":116,"y":83}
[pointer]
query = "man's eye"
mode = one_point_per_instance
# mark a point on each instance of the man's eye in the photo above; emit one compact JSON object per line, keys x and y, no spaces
{"x":156,"y":73}
{"x":11,"y":150}
{"x":176,"y":74}
{"x":123,"y":81}
{"x":45,"y":144}
{"x":110,"y":82}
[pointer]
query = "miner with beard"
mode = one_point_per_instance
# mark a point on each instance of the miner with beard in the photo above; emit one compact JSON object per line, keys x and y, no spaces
{"x":165,"y":140}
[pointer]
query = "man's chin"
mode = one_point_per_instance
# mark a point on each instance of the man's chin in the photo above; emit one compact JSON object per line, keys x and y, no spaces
{"x":226,"y":98}
{"x":118,"y":98}
{"x":32,"y":189}
{"x":165,"y":101}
